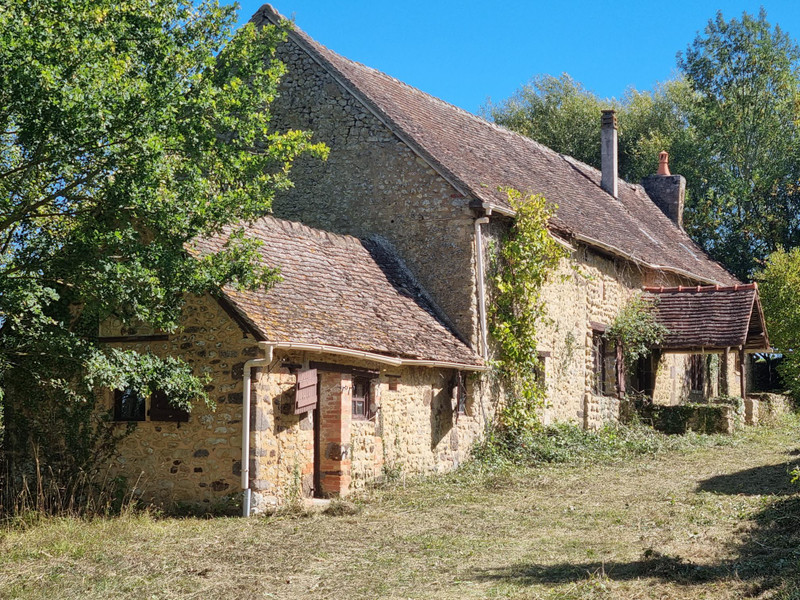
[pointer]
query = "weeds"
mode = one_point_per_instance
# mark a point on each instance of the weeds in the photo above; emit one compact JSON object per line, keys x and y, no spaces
{"x":570,"y":444}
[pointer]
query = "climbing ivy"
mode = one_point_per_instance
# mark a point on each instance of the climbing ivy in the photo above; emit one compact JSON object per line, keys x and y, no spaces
{"x":635,"y":326}
{"x":525,"y":260}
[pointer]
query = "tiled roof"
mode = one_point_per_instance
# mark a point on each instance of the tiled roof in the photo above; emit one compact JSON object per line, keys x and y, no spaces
{"x":340,"y":291}
{"x":477,"y":157}
{"x":710,"y":317}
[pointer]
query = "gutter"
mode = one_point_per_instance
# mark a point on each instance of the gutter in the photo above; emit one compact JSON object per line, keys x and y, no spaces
{"x":616,"y":251}
{"x":379,"y":358}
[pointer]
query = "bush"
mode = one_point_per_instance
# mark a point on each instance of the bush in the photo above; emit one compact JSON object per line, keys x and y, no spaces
{"x":565,"y":443}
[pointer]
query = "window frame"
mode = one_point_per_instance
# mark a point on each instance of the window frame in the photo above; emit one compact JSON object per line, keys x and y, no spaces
{"x":365,"y":400}
{"x":119,"y":399}
{"x":604,"y":358}
{"x":160,"y":412}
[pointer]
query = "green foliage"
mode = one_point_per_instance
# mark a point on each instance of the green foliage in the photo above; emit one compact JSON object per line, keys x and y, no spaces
{"x":730,"y":123}
{"x":565,"y":443}
{"x":746,"y":79}
{"x":527,"y":258}
{"x":636,"y":328}
{"x":779,"y":289}
{"x":561,"y":114}
{"x":127,"y":129}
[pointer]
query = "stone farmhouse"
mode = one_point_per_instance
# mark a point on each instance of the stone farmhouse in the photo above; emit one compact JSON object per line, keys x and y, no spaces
{"x":371,"y":356}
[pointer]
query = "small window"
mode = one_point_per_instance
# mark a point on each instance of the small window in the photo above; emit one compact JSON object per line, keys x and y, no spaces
{"x":161,"y":409}
{"x":361,"y":399}
{"x":604,"y":353}
{"x":696,"y":372}
{"x":460,"y":389}
{"x":128,"y":405}
{"x":540,"y":370}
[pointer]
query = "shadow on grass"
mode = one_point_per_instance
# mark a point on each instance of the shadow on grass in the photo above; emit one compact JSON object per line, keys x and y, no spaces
{"x":770,"y":480}
{"x":768,"y":557}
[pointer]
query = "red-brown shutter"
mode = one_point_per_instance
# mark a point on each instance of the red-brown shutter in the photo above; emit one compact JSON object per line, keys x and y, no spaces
{"x":305,"y":398}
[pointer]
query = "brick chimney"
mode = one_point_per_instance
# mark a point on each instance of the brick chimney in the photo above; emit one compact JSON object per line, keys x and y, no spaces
{"x":668,"y":192}
{"x":608,"y":153}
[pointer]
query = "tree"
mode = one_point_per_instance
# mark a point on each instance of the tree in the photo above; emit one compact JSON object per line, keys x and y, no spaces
{"x":126,"y":130}
{"x":561,"y":114}
{"x":745,"y":203}
{"x":779,"y":288}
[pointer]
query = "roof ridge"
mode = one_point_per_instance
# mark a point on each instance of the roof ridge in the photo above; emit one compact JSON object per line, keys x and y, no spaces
{"x":375,"y":90}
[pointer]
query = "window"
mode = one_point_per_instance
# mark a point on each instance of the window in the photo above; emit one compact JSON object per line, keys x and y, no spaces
{"x":128,"y":406}
{"x":460,"y":389}
{"x":361,"y":399}
{"x":604,"y":353}
{"x":540,"y":370}
{"x":696,"y":372}
{"x":162,"y":410}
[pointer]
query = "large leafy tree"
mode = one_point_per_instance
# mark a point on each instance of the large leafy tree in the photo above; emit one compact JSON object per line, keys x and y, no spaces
{"x":745,"y":76}
{"x":563,"y":115}
{"x":729,"y":122}
{"x":127,"y":128}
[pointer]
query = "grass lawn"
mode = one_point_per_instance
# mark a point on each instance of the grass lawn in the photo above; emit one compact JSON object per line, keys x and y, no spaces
{"x":719,"y":519}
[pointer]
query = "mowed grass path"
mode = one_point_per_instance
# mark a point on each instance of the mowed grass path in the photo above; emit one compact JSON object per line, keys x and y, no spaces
{"x":711,"y":522}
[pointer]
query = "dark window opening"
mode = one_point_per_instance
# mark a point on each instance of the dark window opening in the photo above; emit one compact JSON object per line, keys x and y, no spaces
{"x":162,"y":410}
{"x":460,"y":389}
{"x":696,"y":373}
{"x":604,"y":353}
{"x":539,"y":370}
{"x":644,"y":375}
{"x":361,"y":398}
{"x":128,"y":406}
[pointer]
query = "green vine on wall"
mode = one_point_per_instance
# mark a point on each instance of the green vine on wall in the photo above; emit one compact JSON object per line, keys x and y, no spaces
{"x":525,"y":261}
{"x":635,"y":326}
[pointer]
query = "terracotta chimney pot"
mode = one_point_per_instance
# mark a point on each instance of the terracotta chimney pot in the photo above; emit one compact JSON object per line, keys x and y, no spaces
{"x":663,"y":163}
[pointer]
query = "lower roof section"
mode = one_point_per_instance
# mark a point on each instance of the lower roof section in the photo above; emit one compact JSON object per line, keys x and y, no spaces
{"x":339,"y":292}
{"x":707,"y":318}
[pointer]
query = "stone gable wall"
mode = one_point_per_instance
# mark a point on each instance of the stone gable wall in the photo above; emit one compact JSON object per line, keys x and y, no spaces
{"x":372,"y":183}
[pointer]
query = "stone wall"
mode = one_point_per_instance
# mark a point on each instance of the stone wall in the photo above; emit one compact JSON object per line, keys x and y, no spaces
{"x":415,"y":429}
{"x":198,"y":461}
{"x":590,"y":288}
{"x":281,"y":443}
{"x":372,"y":183}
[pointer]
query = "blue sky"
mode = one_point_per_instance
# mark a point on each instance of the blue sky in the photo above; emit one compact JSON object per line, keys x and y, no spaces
{"x":467,"y":51}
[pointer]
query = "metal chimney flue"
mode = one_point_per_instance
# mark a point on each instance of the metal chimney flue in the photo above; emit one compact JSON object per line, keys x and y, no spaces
{"x":609,"y":180}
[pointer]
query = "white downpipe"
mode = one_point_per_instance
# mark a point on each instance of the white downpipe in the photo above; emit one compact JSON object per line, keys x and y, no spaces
{"x":256,"y":362}
{"x":481,"y":287}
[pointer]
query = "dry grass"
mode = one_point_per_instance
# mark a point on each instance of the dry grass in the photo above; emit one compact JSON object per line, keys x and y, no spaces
{"x":712,"y":522}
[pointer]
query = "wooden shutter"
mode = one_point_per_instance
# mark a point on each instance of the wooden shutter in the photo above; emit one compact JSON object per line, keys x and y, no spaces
{"x":162,"y":410}
{"x":305,"y":397}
